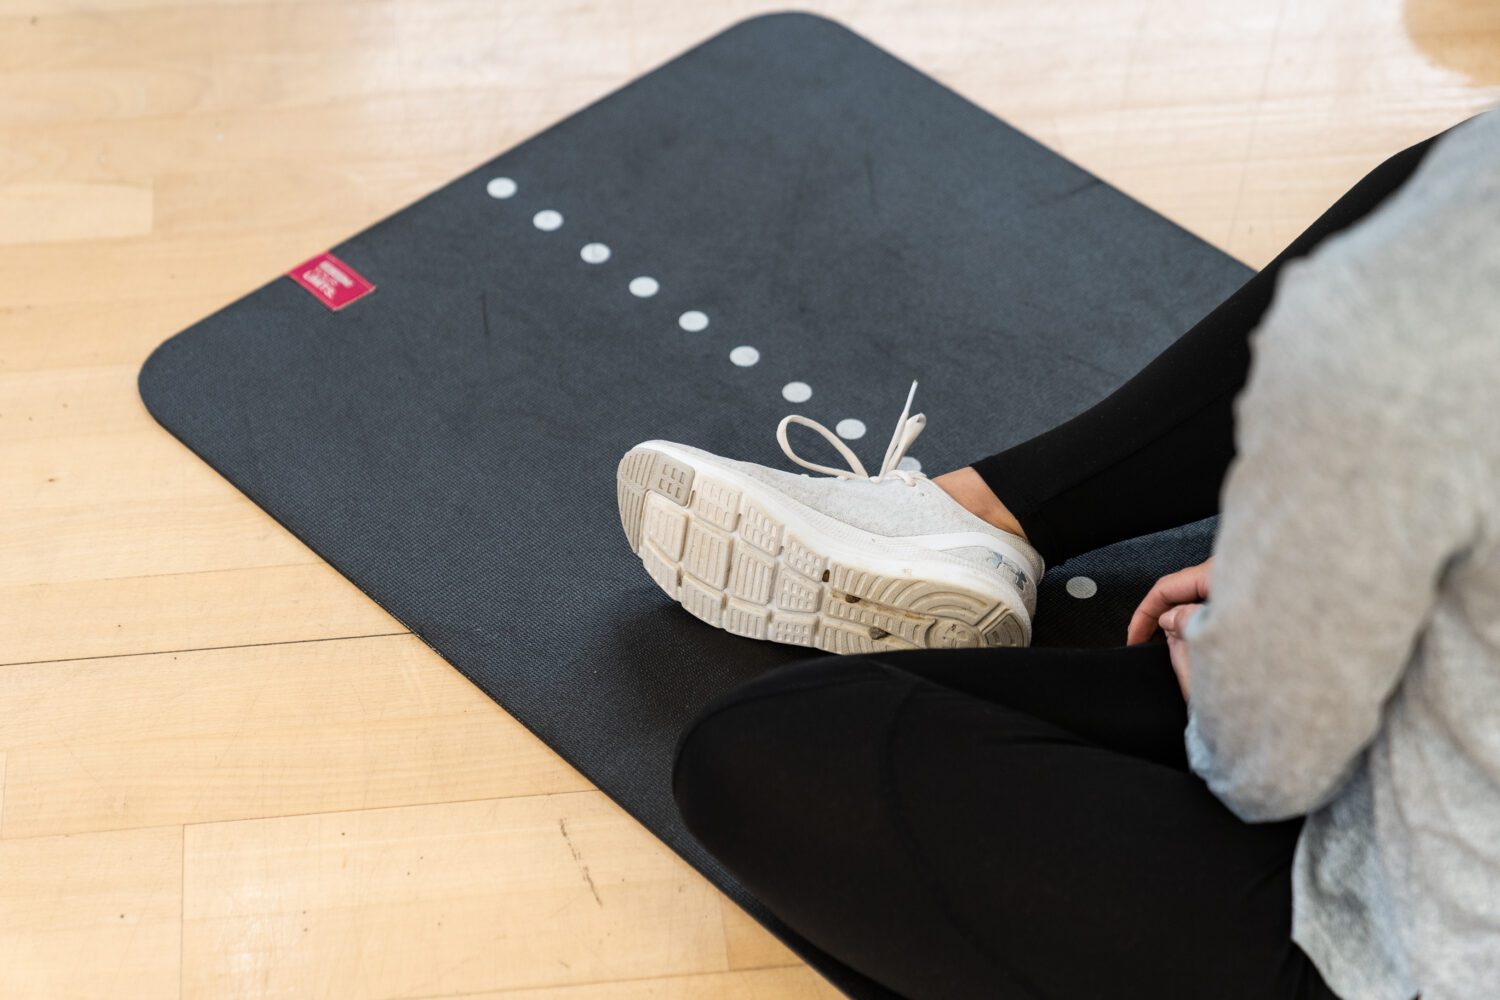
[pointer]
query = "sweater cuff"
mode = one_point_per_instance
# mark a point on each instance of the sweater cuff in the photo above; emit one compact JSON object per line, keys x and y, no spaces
{"x":1196,"y":623}
{"x":1199,"y":757}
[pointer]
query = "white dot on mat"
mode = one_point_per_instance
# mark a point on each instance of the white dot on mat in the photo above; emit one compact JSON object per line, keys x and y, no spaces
{"x":796,"y":392}
{"x":547,"y":220}
{"x":850,"y":429}
{"x":744,"y":356}
{"x":692,"y":321}
{"x":594,"y":253}
{"x":500,"y":187}
{"x":910,"y":464}
{"x":643,"y":287}
{"x":1081,"y":587}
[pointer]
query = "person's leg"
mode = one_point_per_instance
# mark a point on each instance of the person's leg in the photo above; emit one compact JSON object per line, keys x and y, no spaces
{"x":951,"y":846}
{"x":1153,"y":454}
{"x":1124,"y":699}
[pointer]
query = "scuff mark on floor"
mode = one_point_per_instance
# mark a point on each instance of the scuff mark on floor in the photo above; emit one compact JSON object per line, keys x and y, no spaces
{"x":562,"y":826}
{"x":592,"y":887}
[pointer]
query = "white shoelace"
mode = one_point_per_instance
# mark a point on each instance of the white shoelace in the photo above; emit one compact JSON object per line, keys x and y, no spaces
{"x":907,"y":429}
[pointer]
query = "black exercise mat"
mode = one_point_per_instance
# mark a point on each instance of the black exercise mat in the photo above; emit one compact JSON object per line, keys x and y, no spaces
{"x":449,"y":442}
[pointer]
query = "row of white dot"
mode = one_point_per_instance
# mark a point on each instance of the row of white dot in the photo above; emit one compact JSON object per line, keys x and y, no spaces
{"x":693,"y":321}
{"x":642,"y":287}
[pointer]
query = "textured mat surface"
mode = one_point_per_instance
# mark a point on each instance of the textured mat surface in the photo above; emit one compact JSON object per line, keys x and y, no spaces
{"x":449,"y":442}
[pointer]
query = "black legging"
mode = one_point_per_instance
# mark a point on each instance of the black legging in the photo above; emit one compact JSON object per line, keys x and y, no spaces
{"x":1022,"y":822}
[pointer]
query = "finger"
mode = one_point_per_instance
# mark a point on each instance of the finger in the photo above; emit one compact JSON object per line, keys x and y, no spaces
{"x":1140,"y":628}
{"x":1175,"y":621}
{"x":1183,"y":587}
{"x":1157,"y":601}
{"x":1178,"y":654}
{"x":1143,"y":620}
{"x":1172,"y":589}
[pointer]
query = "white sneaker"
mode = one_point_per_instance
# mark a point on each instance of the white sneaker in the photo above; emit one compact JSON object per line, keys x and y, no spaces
{"x":847,"y":562}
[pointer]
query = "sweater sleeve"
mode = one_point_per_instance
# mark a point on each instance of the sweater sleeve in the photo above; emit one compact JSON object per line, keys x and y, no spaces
{"x":1340,"y":513}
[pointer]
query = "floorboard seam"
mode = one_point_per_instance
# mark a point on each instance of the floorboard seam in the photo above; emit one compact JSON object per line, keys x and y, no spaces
{"x":205,"y":649}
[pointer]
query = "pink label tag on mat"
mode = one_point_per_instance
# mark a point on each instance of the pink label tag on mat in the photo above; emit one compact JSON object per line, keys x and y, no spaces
{"x":331,"y":281}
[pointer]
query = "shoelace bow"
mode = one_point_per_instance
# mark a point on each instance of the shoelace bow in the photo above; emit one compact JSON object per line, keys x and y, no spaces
{"x":907,"y":429}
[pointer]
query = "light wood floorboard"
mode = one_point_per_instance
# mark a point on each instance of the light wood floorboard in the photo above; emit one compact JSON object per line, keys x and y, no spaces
{"x":224,"y":772}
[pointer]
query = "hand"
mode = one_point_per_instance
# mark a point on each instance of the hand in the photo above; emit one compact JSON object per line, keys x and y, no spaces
{"x":1186,"y":586}
{"x":1172,"y":623}
{"x":1174,"y":599}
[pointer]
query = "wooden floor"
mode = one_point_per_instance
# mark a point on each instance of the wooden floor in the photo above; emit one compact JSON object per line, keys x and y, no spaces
{"x":196,"y":799}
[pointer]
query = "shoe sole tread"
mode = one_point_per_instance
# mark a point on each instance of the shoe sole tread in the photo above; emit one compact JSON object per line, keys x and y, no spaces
{"x":738,"y":567}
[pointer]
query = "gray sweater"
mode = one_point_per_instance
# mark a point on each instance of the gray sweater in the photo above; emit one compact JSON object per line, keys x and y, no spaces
{"x":1347,"y":665}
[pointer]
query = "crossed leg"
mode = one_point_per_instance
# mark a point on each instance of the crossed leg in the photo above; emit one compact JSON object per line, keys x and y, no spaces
{"x":994,"y":823}
{"x":1022,"y":822}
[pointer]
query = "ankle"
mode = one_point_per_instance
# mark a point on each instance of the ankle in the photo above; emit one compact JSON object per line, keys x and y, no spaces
{"x":973,"y":494}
